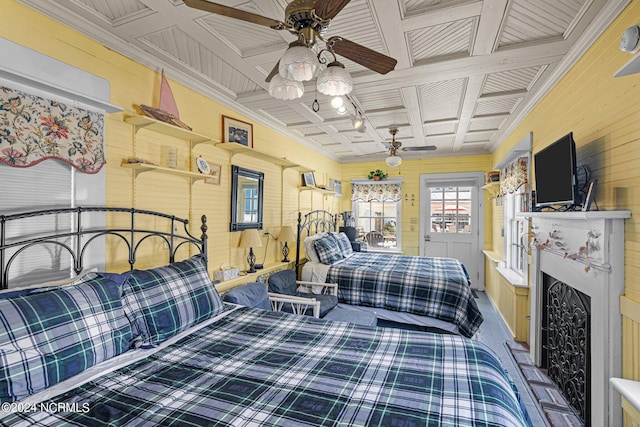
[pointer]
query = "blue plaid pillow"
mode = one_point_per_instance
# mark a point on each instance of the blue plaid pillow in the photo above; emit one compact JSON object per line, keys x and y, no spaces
{"x":49,"y":336}
{"x":328,"y":250}
{"x":164,"y":301}
{"x":344,"y":244}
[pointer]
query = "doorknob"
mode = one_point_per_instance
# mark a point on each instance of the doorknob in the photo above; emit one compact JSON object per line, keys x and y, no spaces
{"x":427,"y":237}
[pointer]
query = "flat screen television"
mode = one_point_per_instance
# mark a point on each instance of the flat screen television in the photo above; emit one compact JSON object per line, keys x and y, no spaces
{"x":555,"y":174}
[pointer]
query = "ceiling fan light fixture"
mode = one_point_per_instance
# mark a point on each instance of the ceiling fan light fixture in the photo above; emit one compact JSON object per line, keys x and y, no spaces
{"x":298,"y":63}
{"x":285,"y":89}
{"x":337,"y":102}
{"x":335,"y":80}
{"x":393,"y":161}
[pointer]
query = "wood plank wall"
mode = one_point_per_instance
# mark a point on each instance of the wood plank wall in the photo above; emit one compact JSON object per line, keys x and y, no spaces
{"x":604,"y":114}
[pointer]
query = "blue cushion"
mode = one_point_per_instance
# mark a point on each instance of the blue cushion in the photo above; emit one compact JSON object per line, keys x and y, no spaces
{"x":164,"y":301}
{"x":283,"y":282}
{"x":351,"y":315}
{"x":250,"y":295}
{"x":327,"y":302}
{"x":328,"y":250}
{"x":47,"y":337}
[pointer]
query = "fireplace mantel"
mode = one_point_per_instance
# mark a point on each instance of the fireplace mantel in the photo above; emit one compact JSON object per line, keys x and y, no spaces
{"x":586,"y":251}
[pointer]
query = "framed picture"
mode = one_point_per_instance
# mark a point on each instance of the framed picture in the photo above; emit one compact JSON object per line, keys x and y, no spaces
{"x":591,"y":194}
{"x":216,"y":171}
{"x":308,"y":179}
{"x":337,"y":187}
{"x":237,"y":131}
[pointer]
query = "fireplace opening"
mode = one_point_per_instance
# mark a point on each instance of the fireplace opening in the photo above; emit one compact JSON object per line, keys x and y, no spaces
{"x":566,"y":343}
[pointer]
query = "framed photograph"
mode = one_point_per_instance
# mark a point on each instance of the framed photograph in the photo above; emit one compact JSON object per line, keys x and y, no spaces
{"x":337,"y":187}
{"x":216,"y":171}
{"x":591,"y":194}
{"x":308,"y":180}
{"x":237,"y":131}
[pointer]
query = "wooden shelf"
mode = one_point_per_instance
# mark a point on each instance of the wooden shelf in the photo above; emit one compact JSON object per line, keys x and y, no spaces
{"x":139,"y":168}
{"x":319,"y":190}
{"x":243,"y":149}
{"x":493,"y":188}
{"x":144,"y":122}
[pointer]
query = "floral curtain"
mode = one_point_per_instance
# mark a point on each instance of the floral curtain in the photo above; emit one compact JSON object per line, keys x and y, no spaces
{"x":514,"y":175}
{"x":381,"y":192}
{"x":33,"y":129}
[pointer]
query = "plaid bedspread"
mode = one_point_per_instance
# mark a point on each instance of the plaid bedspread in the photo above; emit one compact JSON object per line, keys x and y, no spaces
{"x":435,"y":287}
{"x":260,"y":368}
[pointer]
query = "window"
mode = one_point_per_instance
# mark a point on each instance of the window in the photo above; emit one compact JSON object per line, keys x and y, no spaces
{"x":376,"y":208}
{"x":450,"y":209}
{"x":516,"y":231}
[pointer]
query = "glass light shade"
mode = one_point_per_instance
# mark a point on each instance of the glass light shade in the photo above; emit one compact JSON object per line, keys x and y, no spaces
{"x":393,"y":161}
{"x":298,"y":63}
{"x":335,"y":81}
{"x":357,"y":122}
{"x":342,"y":110}
{"x":286,"y":89}
{"x":337,"y":102}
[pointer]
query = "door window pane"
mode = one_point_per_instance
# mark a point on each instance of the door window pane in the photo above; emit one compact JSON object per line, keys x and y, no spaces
{"x":450,"y":209}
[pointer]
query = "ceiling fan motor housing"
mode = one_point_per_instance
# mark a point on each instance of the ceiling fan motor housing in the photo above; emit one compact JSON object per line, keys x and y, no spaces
{"x":299,"y":14}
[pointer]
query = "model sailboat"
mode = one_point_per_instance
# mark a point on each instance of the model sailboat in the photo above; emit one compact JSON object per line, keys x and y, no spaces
{"x":168,"y":111}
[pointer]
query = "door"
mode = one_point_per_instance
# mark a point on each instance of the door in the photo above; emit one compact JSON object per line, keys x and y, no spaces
{"x":450,"y":221}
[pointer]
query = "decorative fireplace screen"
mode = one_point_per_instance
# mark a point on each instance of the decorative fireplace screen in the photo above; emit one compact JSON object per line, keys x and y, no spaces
{"x":566,"y":332}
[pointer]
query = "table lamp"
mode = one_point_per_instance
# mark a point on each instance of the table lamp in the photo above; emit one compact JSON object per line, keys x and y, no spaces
{"x":286,"y":235}
{"x":249,"y":239}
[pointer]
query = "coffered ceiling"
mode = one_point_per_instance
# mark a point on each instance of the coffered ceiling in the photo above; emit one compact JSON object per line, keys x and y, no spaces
{"x":467,"y":71}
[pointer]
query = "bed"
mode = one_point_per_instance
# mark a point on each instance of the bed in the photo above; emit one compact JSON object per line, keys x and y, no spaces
{"x":218,"y":364}
{"x":433,"y":292}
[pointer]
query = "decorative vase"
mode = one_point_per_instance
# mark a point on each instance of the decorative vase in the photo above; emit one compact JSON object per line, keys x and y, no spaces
{"x":376,"y":178}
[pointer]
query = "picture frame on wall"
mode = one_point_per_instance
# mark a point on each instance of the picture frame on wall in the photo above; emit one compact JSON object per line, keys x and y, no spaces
{"x":237,"y":131}
{"x":215,"y":172}
{"x":308,"y":180}
{"x":337,"y":187}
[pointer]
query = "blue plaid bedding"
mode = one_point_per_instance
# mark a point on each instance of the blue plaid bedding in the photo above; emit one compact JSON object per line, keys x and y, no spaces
{"x":435,"y":287}
{"x":261,"y":368}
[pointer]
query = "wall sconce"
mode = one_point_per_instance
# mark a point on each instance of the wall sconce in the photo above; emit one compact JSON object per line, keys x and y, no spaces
{"x":413,"y":198}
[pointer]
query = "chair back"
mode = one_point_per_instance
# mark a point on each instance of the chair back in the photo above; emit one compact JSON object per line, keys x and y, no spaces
{"x":374,"y":238}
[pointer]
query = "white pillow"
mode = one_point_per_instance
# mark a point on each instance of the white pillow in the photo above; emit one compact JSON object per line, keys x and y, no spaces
{"x":309,"y":249}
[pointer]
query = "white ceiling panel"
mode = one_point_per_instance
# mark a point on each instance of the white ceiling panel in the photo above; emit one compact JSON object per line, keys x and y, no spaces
{"x":466,"y":71}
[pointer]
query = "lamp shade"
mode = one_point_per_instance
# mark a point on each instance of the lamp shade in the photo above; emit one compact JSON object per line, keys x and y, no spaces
{"x":286,"y":234}
{"x":357,"y":122}
{"x":393,"y":161}
{"x":250,"y":238}
{"x":298,"y":63}
{"x":286,"y":89}
{"x":335,"y":80}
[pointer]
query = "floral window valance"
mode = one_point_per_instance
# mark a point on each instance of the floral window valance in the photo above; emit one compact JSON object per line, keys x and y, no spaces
{"x":381,"y":192}
{"x":514,"y":175}
{"x":33,"y":129}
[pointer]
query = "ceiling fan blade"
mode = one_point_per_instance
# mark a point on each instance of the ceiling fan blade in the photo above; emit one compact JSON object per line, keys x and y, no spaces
{"x":231,"y":12}
{"x":273,"y":72}
{"x":362,"y":55}
{"x":328,"y":9}
{"x":422,"y":148}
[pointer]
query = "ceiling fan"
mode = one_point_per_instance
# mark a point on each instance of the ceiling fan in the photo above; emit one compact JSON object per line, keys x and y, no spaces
{"x":308,"y":20}
{"x":394,"y":145}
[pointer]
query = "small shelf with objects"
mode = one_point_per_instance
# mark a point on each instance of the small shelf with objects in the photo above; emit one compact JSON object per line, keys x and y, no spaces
{"x":139,"y":166}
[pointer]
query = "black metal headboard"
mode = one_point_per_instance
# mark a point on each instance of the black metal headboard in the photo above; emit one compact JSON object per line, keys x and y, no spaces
{"x":318,"y":221}
{"x":82,"y":236}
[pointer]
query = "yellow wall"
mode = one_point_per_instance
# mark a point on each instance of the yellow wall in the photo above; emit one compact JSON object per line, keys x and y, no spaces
{"x":133,"y":84}
{"x":410,"y":172}
{"x":604,"y":114}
